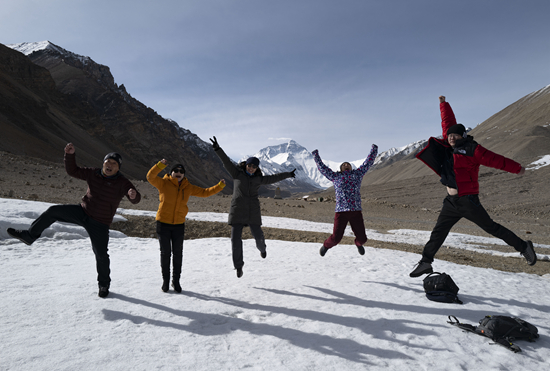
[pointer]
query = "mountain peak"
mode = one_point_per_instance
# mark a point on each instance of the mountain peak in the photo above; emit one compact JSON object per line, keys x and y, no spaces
{"x":29,"y":48}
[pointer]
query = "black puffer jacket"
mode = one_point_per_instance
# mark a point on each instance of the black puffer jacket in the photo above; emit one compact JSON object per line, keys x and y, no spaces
{"x":245,"y":205}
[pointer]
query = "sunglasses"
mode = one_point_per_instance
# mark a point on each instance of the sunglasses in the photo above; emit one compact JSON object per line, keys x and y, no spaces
{"x":178,"y":170}
{"x":252,"y":166}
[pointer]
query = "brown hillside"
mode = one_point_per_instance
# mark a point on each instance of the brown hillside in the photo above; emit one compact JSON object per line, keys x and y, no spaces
{"x":48,"y":103}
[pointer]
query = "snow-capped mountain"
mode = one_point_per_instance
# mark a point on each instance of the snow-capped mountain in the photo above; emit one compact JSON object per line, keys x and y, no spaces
{"x":28,"y":48}
{"x":397,"y":153}
{"x":291,"y":155}
{"x":288,"y":156}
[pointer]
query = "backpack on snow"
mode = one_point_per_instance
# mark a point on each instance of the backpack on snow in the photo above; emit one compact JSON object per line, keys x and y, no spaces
{"x":441,"y":287}
{"x":503,"y":330}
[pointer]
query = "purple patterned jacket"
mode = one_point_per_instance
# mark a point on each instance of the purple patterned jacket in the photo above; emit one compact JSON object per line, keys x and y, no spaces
{"x":347,"y":185}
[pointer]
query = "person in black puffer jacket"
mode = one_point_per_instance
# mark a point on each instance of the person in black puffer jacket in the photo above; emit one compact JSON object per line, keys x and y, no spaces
{"x":245,"y":205}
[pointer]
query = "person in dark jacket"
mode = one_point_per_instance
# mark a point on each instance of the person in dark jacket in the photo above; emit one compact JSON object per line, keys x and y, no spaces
{"x":106,"y":187}
{"x":245,"y":205}
{"x":456,"y":159}
{"x":347,"y":188}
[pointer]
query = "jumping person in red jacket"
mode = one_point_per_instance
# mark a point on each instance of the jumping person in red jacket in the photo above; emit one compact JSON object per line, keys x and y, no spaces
{"x":456,"y":159}
{"x":106,"y":188}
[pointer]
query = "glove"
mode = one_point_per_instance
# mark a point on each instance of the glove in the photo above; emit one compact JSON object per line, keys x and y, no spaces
{"x":293,"y":173}
{"x":215,"y":144}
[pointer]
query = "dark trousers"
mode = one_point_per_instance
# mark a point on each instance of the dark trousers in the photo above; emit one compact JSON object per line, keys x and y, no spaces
{"x":237,"y":241}
{"x":98,"y":232}
{"x":455,"y":208}
{"x":341,"y":220}
{"x":171,"y":243}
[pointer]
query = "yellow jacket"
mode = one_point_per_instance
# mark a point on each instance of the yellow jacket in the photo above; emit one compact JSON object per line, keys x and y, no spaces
{"x":173,"y":197}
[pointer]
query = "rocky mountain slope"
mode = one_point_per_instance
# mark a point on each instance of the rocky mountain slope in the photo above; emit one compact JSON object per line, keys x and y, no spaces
{"x":53,"y":96}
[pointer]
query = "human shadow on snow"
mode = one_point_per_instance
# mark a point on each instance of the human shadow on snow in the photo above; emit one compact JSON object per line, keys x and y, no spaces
{"x":452,"y":309}
{"x":207,"y":324}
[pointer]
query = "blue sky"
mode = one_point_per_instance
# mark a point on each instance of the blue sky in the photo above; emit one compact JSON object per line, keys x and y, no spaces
{"x":332,"y":75}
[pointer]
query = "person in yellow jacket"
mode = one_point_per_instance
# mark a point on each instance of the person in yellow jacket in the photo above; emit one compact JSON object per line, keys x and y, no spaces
{"x":174,"y":192}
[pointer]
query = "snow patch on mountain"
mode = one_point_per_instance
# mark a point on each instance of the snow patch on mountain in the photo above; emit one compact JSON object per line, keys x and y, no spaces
{"x":28,"y":48}
{"x":398,"y":152}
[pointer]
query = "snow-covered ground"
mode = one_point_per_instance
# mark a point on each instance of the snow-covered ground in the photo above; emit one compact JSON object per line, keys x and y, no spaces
{"x":294,"y":310}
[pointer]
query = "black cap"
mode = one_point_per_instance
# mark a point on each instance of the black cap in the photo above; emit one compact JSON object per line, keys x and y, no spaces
{"x":115,"y":156}
{"x":253,"y":160}
{"x":177,"y":166}
{"x":457,"y":129}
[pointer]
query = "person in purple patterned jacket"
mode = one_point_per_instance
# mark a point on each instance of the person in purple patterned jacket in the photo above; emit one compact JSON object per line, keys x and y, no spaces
{"x":347,"y":186}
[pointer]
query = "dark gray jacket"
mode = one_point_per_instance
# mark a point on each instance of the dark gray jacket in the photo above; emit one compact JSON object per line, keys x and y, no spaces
{"x":245,"y":205}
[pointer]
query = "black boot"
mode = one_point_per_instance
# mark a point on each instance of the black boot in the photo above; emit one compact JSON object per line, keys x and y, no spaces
{"x":22,"y":235}
{"x":176,"y":285}
{"x":165,"y":268}
{"x":103,"y":292}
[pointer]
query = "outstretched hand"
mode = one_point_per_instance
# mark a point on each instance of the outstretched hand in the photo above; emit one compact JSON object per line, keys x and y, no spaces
{"x":293,"y":173}
{"x":215,"y":144}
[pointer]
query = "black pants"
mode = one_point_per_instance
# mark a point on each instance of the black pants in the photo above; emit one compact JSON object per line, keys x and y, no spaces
{"x":98,"y":232}
{"x":237,"y":241}
{"x":455,"y":208}
{"x":171,"y":243}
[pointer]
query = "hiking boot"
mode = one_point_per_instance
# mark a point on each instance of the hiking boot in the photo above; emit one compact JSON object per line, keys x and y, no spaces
{"x":323,"y":250}
{"x":529,"y":253}
{"x":22,"y":235}
{"x":103,"y":292}
{"x":421,"y":268}
{"x":165,"y":285}
{"x":176,"y":285}
{"x":239,"y":272}
{"x":361,"y":250}
{"x":263,"y":254}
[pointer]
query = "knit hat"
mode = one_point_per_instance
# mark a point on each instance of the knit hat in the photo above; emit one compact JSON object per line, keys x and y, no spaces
{"x":253,"y":160}
{"x":457,"y":129}
{"x":115,"y":156}
{"x":177,"y":166}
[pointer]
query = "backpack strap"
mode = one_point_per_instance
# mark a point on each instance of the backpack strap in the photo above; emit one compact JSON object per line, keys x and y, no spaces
{"x":470,"y":328}
{"x":507,"y":344}
{"x":463,"y":326}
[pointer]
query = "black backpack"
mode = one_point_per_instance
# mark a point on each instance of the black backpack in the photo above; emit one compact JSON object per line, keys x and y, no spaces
{"x":441,"y":287}
{"x":503,"y":330}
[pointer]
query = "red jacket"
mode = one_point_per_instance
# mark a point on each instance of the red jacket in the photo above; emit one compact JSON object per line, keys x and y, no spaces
{"x":104,"y":194}
{"x":459,"y":167}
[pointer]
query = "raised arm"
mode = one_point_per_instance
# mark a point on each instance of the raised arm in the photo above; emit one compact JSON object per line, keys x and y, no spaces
{"x":369,"y":160}
{"x":152,"y":175}
{"x":227,"y":163}
{"x":447,"y":116}
{"x":324,"y":169}
{"x":70,"y":164}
